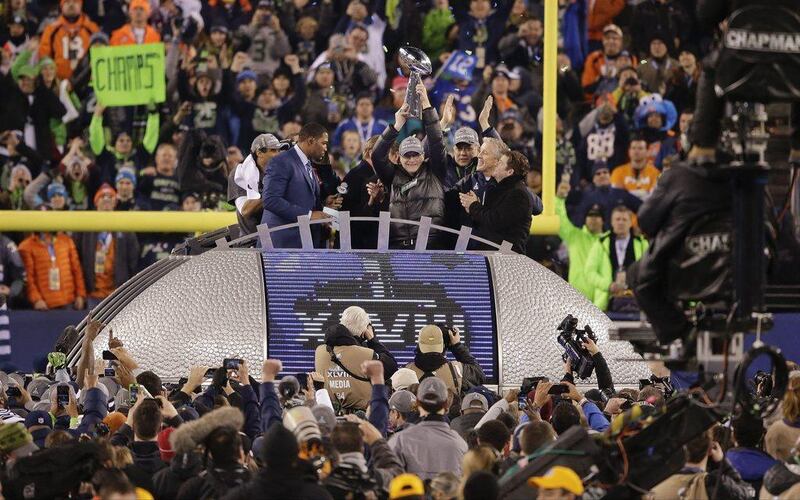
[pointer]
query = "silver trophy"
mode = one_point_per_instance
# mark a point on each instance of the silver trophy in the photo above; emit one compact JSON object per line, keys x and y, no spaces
{"x":415,"y":64}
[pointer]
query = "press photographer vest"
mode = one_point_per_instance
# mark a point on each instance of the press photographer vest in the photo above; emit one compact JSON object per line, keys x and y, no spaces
{"x":759,"y":60}
{"x":343,"y":388}
{"x":451,"y":373}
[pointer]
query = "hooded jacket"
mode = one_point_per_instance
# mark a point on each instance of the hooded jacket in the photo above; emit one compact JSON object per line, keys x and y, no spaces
{"x":579,"y":241}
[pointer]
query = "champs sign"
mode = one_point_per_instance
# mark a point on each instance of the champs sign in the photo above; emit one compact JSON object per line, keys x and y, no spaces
{"x":128,"y":75}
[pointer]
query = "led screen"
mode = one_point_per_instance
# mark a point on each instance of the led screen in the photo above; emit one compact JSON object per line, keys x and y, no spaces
{"x":402,"y":292}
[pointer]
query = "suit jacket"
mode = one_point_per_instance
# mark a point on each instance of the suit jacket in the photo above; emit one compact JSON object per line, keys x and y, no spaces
{"x":288,"y":193}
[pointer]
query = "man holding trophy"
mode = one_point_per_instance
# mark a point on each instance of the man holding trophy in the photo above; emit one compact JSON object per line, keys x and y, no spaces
{"x":416,"y":186}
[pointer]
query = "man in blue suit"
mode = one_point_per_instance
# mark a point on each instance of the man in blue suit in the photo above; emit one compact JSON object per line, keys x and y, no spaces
{"x":291,"y":187}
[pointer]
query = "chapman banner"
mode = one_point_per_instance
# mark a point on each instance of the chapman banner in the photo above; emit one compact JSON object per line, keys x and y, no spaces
{"x":128,"y":75}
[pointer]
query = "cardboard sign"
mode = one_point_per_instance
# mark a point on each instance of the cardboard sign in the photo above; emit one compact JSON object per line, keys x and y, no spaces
{"x":128,"y":75}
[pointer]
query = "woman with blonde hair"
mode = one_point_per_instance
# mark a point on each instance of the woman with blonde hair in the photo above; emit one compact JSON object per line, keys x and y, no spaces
{"x":782,"y":434}
{"x":482,"y":458}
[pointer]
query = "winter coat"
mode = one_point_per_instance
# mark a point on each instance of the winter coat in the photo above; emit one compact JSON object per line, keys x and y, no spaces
{"x":213,"y":482}
{"x":579,"y":242}
{"x":468,"y":373}
{"x":782,"y":480}
{"x":421,"y":194}
{"x":506,"y":214}
{"x":600,"y":265}
{"x":62,"y":34}
{"x":167,"y":482}
{"x":126,"y":256}
{"x":298,"y":483}
{"x":429,"y":447}
{"x":126,"y":36}
{"x":36,"y":256}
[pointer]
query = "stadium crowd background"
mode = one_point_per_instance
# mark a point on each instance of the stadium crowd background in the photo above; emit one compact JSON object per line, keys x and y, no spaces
{"x":627,"y":74}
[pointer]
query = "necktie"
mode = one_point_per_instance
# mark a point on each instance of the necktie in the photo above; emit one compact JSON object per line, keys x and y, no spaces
{"x":310,"y":173}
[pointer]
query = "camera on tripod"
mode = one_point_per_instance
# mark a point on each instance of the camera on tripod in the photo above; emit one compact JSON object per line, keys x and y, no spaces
{"x":572,"y":340}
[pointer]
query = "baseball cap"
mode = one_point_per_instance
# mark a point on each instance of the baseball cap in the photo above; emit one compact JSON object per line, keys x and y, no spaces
{"x":411,"y":145}
{"x":433,"y":391}
{"x":406,"y":485}
{"x":38,"y":387}
{"x":247,"y":74}
{"x":38,"y":418}
{"x":399,"y":82}
{"x":559,"y":477}
{"x":595,"y":211}
{"x":430,"y":337}
{"x":220,"y":28}
{"x":268,"y":141}
{"x":403,"y":378}
{"x":264,"y":4}
{"x":466,"y":135}
{"x":474,"y":401}
{"x":612,"y":28}
{"x":402,"y":401}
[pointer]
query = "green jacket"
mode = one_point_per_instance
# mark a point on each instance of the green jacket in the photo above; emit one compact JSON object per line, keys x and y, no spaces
{"x":434,"y":31}
{"x":578,"y":241}
{"x":598,"y":267}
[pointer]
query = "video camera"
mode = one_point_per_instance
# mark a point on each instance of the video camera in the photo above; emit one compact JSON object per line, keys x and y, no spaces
{"x":572,"y":340}
{"x":662,"y":383}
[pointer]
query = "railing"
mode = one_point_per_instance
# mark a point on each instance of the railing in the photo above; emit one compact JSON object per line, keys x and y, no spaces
{"x":264,"y":234}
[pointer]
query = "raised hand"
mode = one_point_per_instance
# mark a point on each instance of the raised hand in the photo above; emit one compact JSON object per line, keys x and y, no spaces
{"x":483,"y":118}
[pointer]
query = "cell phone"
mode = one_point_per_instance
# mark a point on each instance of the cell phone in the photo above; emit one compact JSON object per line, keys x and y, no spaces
{"x":558,"y":389}
{"x":303,"y":379}
{"x":209,"y":373}
{"x":62,"y":395}
{"x":133,"y":390}
{"x":231,"y":363}
{"x":13,"y":392}
{"x":319,"y":384}
{"x":109,"y":356}
{"x":109,"y":372}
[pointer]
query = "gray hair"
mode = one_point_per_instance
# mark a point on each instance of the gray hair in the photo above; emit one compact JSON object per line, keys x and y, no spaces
{"x":355,"y":319}
{"x":499,"y":146}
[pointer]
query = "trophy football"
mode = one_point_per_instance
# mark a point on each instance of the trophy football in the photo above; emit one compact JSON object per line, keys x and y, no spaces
{"x":415,"y":64}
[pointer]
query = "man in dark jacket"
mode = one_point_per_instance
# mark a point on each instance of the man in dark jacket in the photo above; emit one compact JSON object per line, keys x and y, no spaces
{"x":747,"y":458}
{"x":417,"y":185}
{"x":108,"y":259}
{"x":24,"y":102}
{"x":285,"y":474}
{"x":359,"y":202}
{"x":225,"y":469}
{"x":506,"y":213}
{"x":430,"y":360}
{"x":352,"y":478}
{"x":600,"y":193}
{"x":473,"y":407}
{"x":685,"y":196}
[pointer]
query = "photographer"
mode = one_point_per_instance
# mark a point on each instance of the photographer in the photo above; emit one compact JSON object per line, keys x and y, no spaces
{"x":202,"y":167}
{"x":459,"y":375}
{"x":347,"y":345}
{"x":601,"y":371}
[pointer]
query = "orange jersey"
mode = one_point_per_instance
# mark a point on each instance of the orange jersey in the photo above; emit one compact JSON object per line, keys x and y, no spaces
{"x":126,"y":36}
{"x":66,"y":43}
{"x":624,"y":177}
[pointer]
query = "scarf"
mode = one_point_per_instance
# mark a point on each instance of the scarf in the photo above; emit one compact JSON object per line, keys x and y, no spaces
{"x":429,"y":361}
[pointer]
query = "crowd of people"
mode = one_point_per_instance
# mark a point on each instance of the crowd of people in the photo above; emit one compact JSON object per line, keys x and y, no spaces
{"x":358,"y":427}
{"x":245,"y":81}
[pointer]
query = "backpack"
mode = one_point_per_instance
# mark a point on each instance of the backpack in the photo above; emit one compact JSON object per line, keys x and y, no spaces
{"x":54,"y":472}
